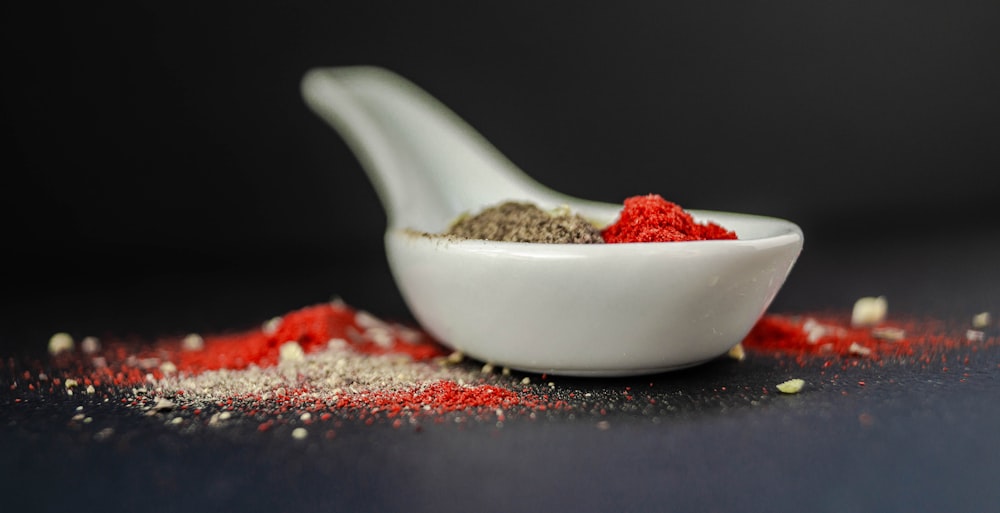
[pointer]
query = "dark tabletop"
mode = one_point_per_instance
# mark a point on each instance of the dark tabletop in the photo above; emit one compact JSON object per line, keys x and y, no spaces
{"x":174,"y":182}
{"x":911,"y":438}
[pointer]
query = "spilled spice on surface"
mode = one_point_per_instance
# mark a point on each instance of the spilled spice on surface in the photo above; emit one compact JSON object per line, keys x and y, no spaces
{"x":326,"y":361}
{"x":833,"y":339}
{"x":314,"y":369}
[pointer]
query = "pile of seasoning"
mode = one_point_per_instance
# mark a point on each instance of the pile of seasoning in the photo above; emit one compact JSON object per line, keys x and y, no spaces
{"x":651,"y":218}
{"x":524,"y":222}
{"x":326,"y":362}
{"x":647,"y":218}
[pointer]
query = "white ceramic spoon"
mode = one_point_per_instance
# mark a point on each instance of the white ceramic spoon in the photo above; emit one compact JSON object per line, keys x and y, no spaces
{"x":566,"y":309}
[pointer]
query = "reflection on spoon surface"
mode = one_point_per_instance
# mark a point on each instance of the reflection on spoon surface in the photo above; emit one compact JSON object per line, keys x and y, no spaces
{"x":567,"y":309}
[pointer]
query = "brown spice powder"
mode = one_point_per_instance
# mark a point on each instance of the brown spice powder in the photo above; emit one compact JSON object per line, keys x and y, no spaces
{"x":524,"y":222}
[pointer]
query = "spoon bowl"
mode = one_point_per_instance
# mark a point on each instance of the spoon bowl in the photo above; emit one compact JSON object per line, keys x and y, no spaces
{"x":562,"y":309}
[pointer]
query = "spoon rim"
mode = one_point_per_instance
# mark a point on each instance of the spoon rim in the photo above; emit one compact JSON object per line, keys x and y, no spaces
{"x":780,"y":232}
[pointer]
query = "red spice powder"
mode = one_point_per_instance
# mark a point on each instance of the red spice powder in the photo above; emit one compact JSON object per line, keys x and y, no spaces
{"x":823,"y":336}
{"x":651,"y":218}
{"x":362,"y":368}
{"x":439,"y":397}
{"x":312,"y":328}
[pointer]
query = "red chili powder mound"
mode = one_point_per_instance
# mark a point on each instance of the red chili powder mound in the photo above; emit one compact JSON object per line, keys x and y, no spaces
{"x":651,"y":218}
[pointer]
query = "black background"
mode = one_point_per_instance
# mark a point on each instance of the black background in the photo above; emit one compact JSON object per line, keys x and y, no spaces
{"x":170,"y":139}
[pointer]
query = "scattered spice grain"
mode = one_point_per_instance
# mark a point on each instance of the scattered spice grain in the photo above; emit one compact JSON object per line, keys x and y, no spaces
{"x":792,"y":386}
{"x":60,"y":342}
{"x":869,"y":311}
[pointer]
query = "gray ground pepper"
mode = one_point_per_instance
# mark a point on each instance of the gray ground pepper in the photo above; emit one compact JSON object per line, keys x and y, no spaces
{"x":524,"y":222}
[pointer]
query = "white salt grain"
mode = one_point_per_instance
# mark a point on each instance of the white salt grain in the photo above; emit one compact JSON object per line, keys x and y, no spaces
{"x":737,"y":352}
{"x":859,"y":349}
{"x":60,"y":342}
{"x":981,"y":320}
{"x":869,"y":311}
{"x":271,"y":326}
{"x":291,"y":352}
{"x":90,"y":345}
{"x":193,"y":342}
{"x":162,"y":405}
{"x":300,"y":433}
{"x":792,"y":386}
{"x":814,"y":330}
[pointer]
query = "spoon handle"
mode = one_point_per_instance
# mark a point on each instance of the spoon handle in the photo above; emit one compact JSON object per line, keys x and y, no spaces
{"x":427,"y":165}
